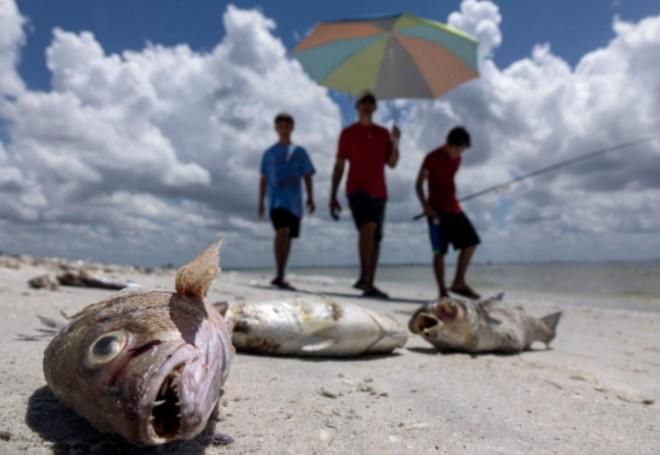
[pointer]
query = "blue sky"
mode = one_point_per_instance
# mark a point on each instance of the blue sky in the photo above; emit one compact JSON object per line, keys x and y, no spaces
{"x":571,"y":27}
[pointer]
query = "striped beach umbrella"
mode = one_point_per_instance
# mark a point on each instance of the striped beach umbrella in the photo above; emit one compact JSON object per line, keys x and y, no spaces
{"x":397,"y":56}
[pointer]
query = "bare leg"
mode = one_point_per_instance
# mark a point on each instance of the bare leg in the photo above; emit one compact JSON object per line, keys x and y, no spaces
{"x":461,"y":268}
{"x":439,"y":270}
{"x":282,"y":247}
{"x":366,"y":242}
{"x":373,"y":262}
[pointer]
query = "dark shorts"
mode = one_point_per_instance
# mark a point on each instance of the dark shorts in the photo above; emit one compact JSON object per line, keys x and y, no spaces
{"x":282,"y":218}
{"x":453,"y":228}
{"x":367,"y":209}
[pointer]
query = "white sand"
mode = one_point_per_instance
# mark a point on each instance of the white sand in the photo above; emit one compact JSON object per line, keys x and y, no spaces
{"x":586,"y":395}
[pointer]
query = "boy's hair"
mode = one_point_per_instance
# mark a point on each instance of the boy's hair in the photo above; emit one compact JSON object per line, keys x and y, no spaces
{"x":365,"y":95}
{"x":284,"y":117}
{"x":459,"y":137}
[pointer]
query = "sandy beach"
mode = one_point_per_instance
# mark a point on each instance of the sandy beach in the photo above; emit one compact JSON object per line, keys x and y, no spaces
{"x":596,"y":391}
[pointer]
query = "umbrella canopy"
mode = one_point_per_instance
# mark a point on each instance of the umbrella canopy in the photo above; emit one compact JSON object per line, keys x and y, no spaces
{"x":398,"y":56}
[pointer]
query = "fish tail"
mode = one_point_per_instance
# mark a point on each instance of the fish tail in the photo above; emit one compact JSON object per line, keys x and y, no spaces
{"x":194,"y":279}
{"x":551,"y":321}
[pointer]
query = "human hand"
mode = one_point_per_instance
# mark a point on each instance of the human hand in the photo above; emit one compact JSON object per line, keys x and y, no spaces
{"x":395,"y":133}
{"x":428,"y":211}
{"x":310,"y":206}
{"x":261,"y":211}
{"x":335,"y":208}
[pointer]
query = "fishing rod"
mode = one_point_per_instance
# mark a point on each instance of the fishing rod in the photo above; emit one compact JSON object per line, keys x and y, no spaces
{"x":553,"y":167}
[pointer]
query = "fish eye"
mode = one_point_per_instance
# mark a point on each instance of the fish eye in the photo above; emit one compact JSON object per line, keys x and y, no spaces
{"x":105,"y":348}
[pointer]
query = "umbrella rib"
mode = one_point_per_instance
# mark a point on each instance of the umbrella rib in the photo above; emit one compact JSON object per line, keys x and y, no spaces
{"x":421,"y":73}
{"x":332,"y":79}
{"x":393,"y":38}
{"x":431,"y":61}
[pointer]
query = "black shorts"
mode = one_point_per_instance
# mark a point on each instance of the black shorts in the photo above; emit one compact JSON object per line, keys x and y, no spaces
{"x":454,"y":228}
{"x":282,"y":218}
{"x":367,"y":209}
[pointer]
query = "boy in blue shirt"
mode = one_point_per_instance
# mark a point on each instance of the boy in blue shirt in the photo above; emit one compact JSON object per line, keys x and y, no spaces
{"x":283,"y":167}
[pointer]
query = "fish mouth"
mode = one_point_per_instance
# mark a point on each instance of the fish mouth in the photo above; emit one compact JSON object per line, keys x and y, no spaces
{"x":165,"y":420}
{"x":422,"y":320}
{"x":429,"y":316}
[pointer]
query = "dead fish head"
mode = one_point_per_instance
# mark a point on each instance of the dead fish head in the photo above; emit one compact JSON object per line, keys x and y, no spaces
{"x":148,"y":366}
{"x":445,"y":320}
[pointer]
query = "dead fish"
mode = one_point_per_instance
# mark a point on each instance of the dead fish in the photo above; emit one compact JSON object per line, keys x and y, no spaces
{"x":148,"y":366}
{"x":83,"y":278}
{"x":43,"y":282}
{"x":313,"y":326}
{"x":487,"y":326}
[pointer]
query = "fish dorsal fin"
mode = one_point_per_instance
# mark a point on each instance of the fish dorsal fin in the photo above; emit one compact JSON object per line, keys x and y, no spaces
{"x":483,"y":312}
{"x":194,"y":279}
{"x":490,"y":301}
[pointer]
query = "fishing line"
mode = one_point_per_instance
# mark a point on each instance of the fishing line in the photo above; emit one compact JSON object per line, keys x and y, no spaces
{"x":553,"y":167}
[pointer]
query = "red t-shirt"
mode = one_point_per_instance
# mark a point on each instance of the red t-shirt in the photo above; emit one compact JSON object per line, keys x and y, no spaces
{"x":367,"y":148}
{"x":442,"y":190}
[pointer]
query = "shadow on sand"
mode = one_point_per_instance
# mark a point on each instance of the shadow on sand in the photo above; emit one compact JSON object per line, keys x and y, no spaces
{"x":70,"y":433}
{"x":321,"y":358}
{"x":343,"y":295}
{"x":435,"y":351}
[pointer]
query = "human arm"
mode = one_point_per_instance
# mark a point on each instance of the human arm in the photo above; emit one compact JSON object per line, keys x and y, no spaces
{"x":337,"y":174}
{"x":262,"y":196}
{"x":419,"y":188}
{"x":393,"y":155}
{"x":309,"y":188}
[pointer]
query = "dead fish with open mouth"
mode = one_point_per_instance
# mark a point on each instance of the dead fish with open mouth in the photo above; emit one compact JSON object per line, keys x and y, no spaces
{"x":486,"y":326}
{"x":148,"y":366}
{"x":313,"y":326}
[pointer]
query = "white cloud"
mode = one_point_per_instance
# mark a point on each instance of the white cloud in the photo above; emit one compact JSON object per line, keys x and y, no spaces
{"x":146,"y":155}
{"x":480,"y":19}
{"x":11,"y":39}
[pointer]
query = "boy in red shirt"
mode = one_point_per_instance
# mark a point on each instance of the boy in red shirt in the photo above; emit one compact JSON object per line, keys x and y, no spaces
{"x":368,"y":148}
{"x":447,"y":221}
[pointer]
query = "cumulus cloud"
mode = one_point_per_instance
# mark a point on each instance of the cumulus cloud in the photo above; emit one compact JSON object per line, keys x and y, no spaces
{"x":480,"y":19}
{"x":164,"y":142}
{"x":143,"y":156}
{"x":11,"y":39}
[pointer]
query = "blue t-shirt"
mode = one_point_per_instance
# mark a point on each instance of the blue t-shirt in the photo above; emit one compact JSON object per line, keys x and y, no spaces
{"x":284,"y":166}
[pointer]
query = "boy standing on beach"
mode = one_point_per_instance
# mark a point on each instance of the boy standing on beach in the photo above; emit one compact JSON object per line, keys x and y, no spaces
{"x":283,"y":167}
{"x":447,"y":221}
{"x":368,"y":148}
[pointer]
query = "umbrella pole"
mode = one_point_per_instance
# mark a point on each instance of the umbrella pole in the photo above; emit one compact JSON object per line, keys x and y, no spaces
{"x":394,"y":110}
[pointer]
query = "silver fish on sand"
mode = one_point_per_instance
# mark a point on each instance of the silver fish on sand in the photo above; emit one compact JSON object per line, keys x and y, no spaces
{"x":148,"y":366}
{"x":313,"y":326}
{"x":486,"y":326}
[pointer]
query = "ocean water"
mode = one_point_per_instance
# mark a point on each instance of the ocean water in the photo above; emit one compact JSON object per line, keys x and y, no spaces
{"x":626,"y":280}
